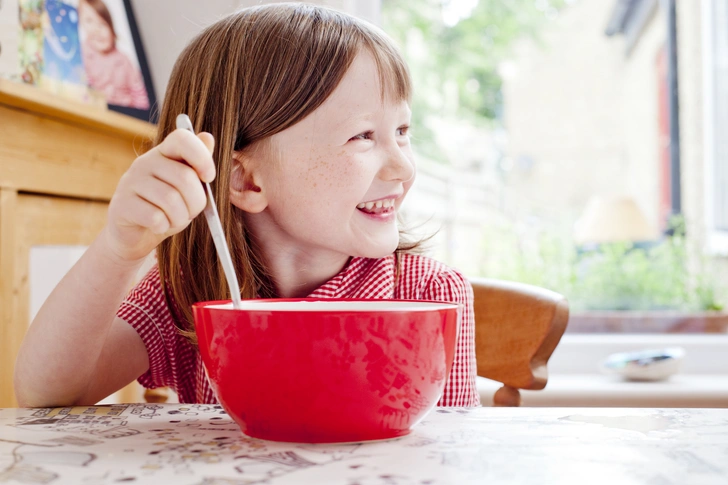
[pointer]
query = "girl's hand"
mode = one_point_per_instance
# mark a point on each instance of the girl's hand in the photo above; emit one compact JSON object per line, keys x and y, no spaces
{"x":160,"y":194}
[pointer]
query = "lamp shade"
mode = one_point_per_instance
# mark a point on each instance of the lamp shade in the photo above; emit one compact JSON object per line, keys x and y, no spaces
{"x":612,"y":220}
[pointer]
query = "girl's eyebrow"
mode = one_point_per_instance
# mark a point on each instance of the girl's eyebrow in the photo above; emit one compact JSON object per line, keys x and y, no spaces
{"x":356,"y":118}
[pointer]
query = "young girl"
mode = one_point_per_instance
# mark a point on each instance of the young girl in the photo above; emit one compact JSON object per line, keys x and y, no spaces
{"x":107,"y":68}
{"x":302,"y":114}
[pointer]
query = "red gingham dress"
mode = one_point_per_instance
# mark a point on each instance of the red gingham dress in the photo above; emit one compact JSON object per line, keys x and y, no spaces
{"x":175,"y":362}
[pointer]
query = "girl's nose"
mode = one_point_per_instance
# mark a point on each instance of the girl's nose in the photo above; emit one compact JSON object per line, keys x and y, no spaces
{"x":398,"y":166}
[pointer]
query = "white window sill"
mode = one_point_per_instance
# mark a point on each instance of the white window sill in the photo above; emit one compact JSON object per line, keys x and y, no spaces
{"x":596,"y":390}
{"x":583,"y":353}
{"x":574,"y":378}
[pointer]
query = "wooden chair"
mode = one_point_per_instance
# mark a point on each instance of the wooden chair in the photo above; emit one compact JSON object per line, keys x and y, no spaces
{"x":517,"y":328}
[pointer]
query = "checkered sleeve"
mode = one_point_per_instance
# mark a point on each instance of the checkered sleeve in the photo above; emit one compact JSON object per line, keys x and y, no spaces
{"x":145,"y":309}
{"x":449,"y":285}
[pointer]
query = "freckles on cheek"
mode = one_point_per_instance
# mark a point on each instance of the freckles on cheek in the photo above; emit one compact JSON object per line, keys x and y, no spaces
{"x":344,"y":162}
{"x":342,"y":169}
{"x":327,"y":170}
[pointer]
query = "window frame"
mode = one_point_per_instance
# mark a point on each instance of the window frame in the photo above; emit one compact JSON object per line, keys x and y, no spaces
{"x":716,"y":239}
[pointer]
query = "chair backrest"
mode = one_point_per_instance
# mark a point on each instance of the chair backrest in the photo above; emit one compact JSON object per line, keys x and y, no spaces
{"x":517,"y":328}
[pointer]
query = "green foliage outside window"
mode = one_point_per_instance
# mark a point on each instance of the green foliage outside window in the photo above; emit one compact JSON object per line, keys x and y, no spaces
{"x":667,"y":275}
{"x":456,"y":67}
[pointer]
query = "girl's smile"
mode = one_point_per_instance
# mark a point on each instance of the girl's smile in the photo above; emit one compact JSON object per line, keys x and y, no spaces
{"x":380,"y":210}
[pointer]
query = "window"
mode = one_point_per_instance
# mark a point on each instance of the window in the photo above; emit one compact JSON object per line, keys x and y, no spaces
{"x":547,"y":136}
{"x":715,"y":71}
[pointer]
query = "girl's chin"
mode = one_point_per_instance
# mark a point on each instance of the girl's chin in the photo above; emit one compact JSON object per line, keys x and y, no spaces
{"x":381,"y":251}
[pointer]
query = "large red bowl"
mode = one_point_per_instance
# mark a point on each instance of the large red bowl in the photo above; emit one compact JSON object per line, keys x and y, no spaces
{"x":325,"y":371}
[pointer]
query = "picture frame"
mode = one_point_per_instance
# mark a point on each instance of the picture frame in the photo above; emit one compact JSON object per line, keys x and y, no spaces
{"x":121,"y":74}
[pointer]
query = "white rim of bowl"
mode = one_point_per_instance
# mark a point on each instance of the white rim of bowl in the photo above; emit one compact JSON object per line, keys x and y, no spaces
{"x":339,"y":305}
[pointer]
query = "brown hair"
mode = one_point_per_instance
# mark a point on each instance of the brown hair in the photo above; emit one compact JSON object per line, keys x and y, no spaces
{"x":249,"y":76}
{"x":100,"y":8}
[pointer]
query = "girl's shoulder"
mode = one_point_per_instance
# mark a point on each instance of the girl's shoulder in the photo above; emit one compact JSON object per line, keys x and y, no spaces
{"x":424,"y":277}
{"x":149,"y":295}
{"x":409,"y":265}
{"x":150,"y":284}
{"x":425,"y":266}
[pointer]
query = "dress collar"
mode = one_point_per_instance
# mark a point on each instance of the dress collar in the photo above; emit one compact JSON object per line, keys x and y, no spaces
{"x":360,"y":278}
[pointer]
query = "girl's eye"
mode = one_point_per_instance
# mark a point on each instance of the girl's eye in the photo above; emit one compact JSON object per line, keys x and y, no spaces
{"x":403,"y":131}
{"x":367,"y":135}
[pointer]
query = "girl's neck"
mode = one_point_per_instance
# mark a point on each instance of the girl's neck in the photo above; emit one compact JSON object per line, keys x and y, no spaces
{"x":295,"y":268}
{"x":296,"y":275}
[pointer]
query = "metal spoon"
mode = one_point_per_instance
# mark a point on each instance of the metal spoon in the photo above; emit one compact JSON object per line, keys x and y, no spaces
{"x":218,"y":236}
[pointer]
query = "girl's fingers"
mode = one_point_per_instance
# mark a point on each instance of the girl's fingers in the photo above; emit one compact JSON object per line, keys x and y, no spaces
{"x":184,"y":146}
{"x":168,"y":200}
{"x":161,"y":192}
{"x":144,"y":214}
{"x":185,"y":180}
{"x":208,"y":140}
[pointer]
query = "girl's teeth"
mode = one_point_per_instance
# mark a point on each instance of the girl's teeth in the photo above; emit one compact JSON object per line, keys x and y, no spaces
{"x":368,"y":206}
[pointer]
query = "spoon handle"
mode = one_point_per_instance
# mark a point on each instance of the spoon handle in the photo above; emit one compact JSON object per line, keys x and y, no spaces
{"x":218,"y":236}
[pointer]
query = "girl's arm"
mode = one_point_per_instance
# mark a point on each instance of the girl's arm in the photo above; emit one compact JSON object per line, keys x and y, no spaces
{"x":77,"y":351}
{"x":74,"y":335}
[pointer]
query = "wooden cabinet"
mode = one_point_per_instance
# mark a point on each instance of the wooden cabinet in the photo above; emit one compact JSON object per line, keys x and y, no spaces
{"x":60,"y":162}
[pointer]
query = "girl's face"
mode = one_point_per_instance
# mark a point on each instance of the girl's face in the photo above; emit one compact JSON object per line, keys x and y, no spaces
{"x":337,"y":178}
{"x":98,"y":34}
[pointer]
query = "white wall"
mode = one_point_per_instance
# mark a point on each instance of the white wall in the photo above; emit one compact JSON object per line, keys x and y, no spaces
{"x":584,"y":114}
{"x":166,"y":26}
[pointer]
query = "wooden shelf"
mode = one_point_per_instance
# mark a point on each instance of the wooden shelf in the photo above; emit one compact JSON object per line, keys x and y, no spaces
{"x":60,"y":162}
{"x":32,"y":99}
{"x":53,"y":146}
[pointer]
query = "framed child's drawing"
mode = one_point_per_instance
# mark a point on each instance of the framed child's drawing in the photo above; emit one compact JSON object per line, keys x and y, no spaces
{"x":113,"y":57}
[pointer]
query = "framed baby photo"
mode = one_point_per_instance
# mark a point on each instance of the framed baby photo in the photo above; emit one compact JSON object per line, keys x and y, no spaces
{"x":113,"y":57}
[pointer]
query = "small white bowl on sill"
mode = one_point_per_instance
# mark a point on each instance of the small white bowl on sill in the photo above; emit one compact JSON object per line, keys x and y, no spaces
{"x":645,"y":365}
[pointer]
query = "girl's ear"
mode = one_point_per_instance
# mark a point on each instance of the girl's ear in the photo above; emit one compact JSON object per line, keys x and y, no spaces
{"x":246,"y":191}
